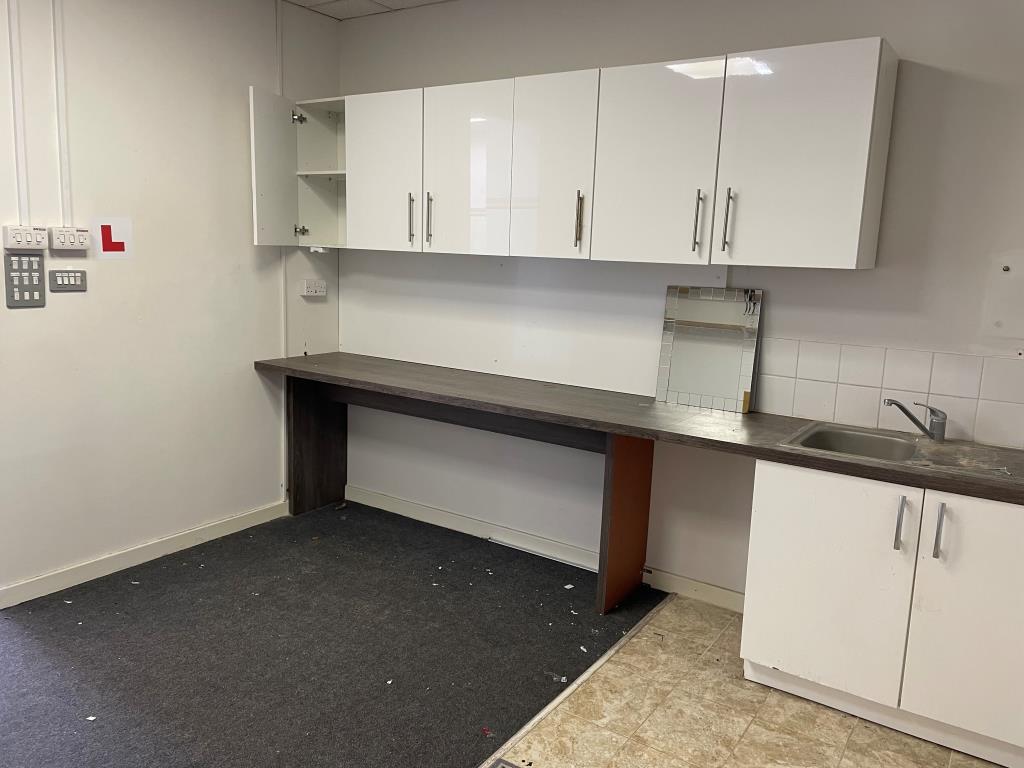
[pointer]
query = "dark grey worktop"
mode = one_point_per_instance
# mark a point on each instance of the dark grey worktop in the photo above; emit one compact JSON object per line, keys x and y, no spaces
{"x":955,"y":466}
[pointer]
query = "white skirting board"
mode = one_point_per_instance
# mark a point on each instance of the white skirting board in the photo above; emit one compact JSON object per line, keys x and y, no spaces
{"x":528,"y":542}
{"x":79,"y":573}
{"x":994,"y":751}
{"x":698,"y":590}
{"x":538,"y":545}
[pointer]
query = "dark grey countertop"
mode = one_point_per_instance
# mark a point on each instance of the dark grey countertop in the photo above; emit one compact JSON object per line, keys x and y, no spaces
{"x":954,"y":466}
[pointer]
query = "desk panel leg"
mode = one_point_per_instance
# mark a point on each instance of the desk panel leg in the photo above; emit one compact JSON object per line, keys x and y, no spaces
{"x":628,"y":465}
{"x":317,"y":446}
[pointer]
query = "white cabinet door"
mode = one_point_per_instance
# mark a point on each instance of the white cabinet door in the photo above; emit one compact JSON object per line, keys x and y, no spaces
{"x":828,"y":593}
{"x":467,"y":167}
{"x":274,"y":156}
{"x":553,"y":164}
{"x":805,"y":133}
{"x":657,"y":153}
{"x":967,"y":624}
{"x":384,"y":180}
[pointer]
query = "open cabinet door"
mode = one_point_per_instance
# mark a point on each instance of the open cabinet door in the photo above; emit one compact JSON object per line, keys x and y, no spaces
{"x":274,"y":148}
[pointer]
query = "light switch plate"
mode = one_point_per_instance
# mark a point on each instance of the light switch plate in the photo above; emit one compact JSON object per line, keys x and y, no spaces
{"x":17,"y":238}
{"x":69,"y":241}
{"x":314,"y":288}
{"x":68,"y":281}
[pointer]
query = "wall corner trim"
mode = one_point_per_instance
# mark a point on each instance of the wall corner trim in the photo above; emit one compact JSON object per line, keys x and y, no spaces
{"x":48,"y":583}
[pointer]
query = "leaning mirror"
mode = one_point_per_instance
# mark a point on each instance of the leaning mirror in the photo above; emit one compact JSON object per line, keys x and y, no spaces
{"x":709,"y":347}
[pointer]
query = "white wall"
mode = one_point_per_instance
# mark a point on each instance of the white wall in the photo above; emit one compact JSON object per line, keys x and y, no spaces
{"x":954,"y":186}
{"x":132,"y":412}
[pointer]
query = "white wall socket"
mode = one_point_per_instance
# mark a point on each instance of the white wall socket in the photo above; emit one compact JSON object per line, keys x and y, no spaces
{"x":314,"y":288}
{"x":18,"y":238}
{"x":69,"y":239}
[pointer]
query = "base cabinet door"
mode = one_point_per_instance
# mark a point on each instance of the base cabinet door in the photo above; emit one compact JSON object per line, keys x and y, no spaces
{"x":964,"y":652}
{"x":829,"y":578}
{"x":384,"y":151}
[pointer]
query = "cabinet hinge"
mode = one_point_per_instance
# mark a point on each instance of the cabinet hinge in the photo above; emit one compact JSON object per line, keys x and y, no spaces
{"x":298,"y":117}
{"x":301,"y":230}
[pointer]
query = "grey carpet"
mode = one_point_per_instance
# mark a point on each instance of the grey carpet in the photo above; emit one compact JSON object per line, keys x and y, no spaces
{"x":343,"y":638}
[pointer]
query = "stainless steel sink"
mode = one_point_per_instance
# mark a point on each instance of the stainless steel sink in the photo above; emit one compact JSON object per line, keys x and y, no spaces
{"x":869,"y":443}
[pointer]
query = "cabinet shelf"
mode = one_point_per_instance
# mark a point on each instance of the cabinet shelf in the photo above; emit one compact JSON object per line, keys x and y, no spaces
{"x":332,"y":104}
{"x":321,"y":173}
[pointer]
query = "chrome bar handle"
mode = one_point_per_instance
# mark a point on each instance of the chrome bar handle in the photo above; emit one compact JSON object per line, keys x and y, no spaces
{"x":430,"y":218}
{"x":412,"y":202}
{"x":937,"y":547}
{"x":696,"y":219}
{"x":897,"y":542}
{"x":577,"y":231}
{"x":725,"y":223}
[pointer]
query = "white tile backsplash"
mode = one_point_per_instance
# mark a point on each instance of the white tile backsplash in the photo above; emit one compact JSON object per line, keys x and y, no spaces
{"x":858,"y":405}
{"x":861,"y":365}
{"x":891,"y":417}
{"x":909,"y":370}
{"x":1003,"y":379}
{"x":983,"y":396}
{"x":961,"y":412}
{"x":1000,"y":423}
{"x":957,"y":375}
{"x":814,"y":400}
{"x":778,"y":357}
{"x":775,"y":395}
{"x":818,"y":361}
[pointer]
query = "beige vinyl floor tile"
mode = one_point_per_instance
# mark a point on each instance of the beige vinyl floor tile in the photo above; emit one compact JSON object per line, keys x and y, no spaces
{"x":784,"y":712}
{"x":617,"y":697}
{"x":693,"y":619}
{"x":719,"y":676}
{"x":660,"y":655}
{"x":701,"y":732}
{"x":960,"y":760}
{"x":636,"y":754}
{"x":873,"y":746}
{"x":562,"y":740}
{"x":763,"y":746}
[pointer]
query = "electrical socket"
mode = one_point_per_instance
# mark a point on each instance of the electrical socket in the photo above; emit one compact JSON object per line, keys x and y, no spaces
{"x":314,"y":288}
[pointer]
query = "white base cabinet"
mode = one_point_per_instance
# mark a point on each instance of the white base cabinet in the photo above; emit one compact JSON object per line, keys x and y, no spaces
{"x":926,"y":637}
{"x":827,"y":590}
{"x":966,"y":642}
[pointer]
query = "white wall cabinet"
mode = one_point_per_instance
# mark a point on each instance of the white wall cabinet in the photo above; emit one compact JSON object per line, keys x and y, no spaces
{"x":298,"y":170}
{"x":967,"y":622}
{"x":384,"y":147}
{"x":805,"y":134}
{"x":765,"y":158}
{"x":657,"y":154}
{"x":827,"y":590}
{"x":467,"y":167}
{"x":553,"y":137}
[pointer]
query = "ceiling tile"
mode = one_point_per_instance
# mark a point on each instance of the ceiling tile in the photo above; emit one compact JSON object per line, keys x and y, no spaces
{"x":399,"y":4}
{"x":349,"y":9}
